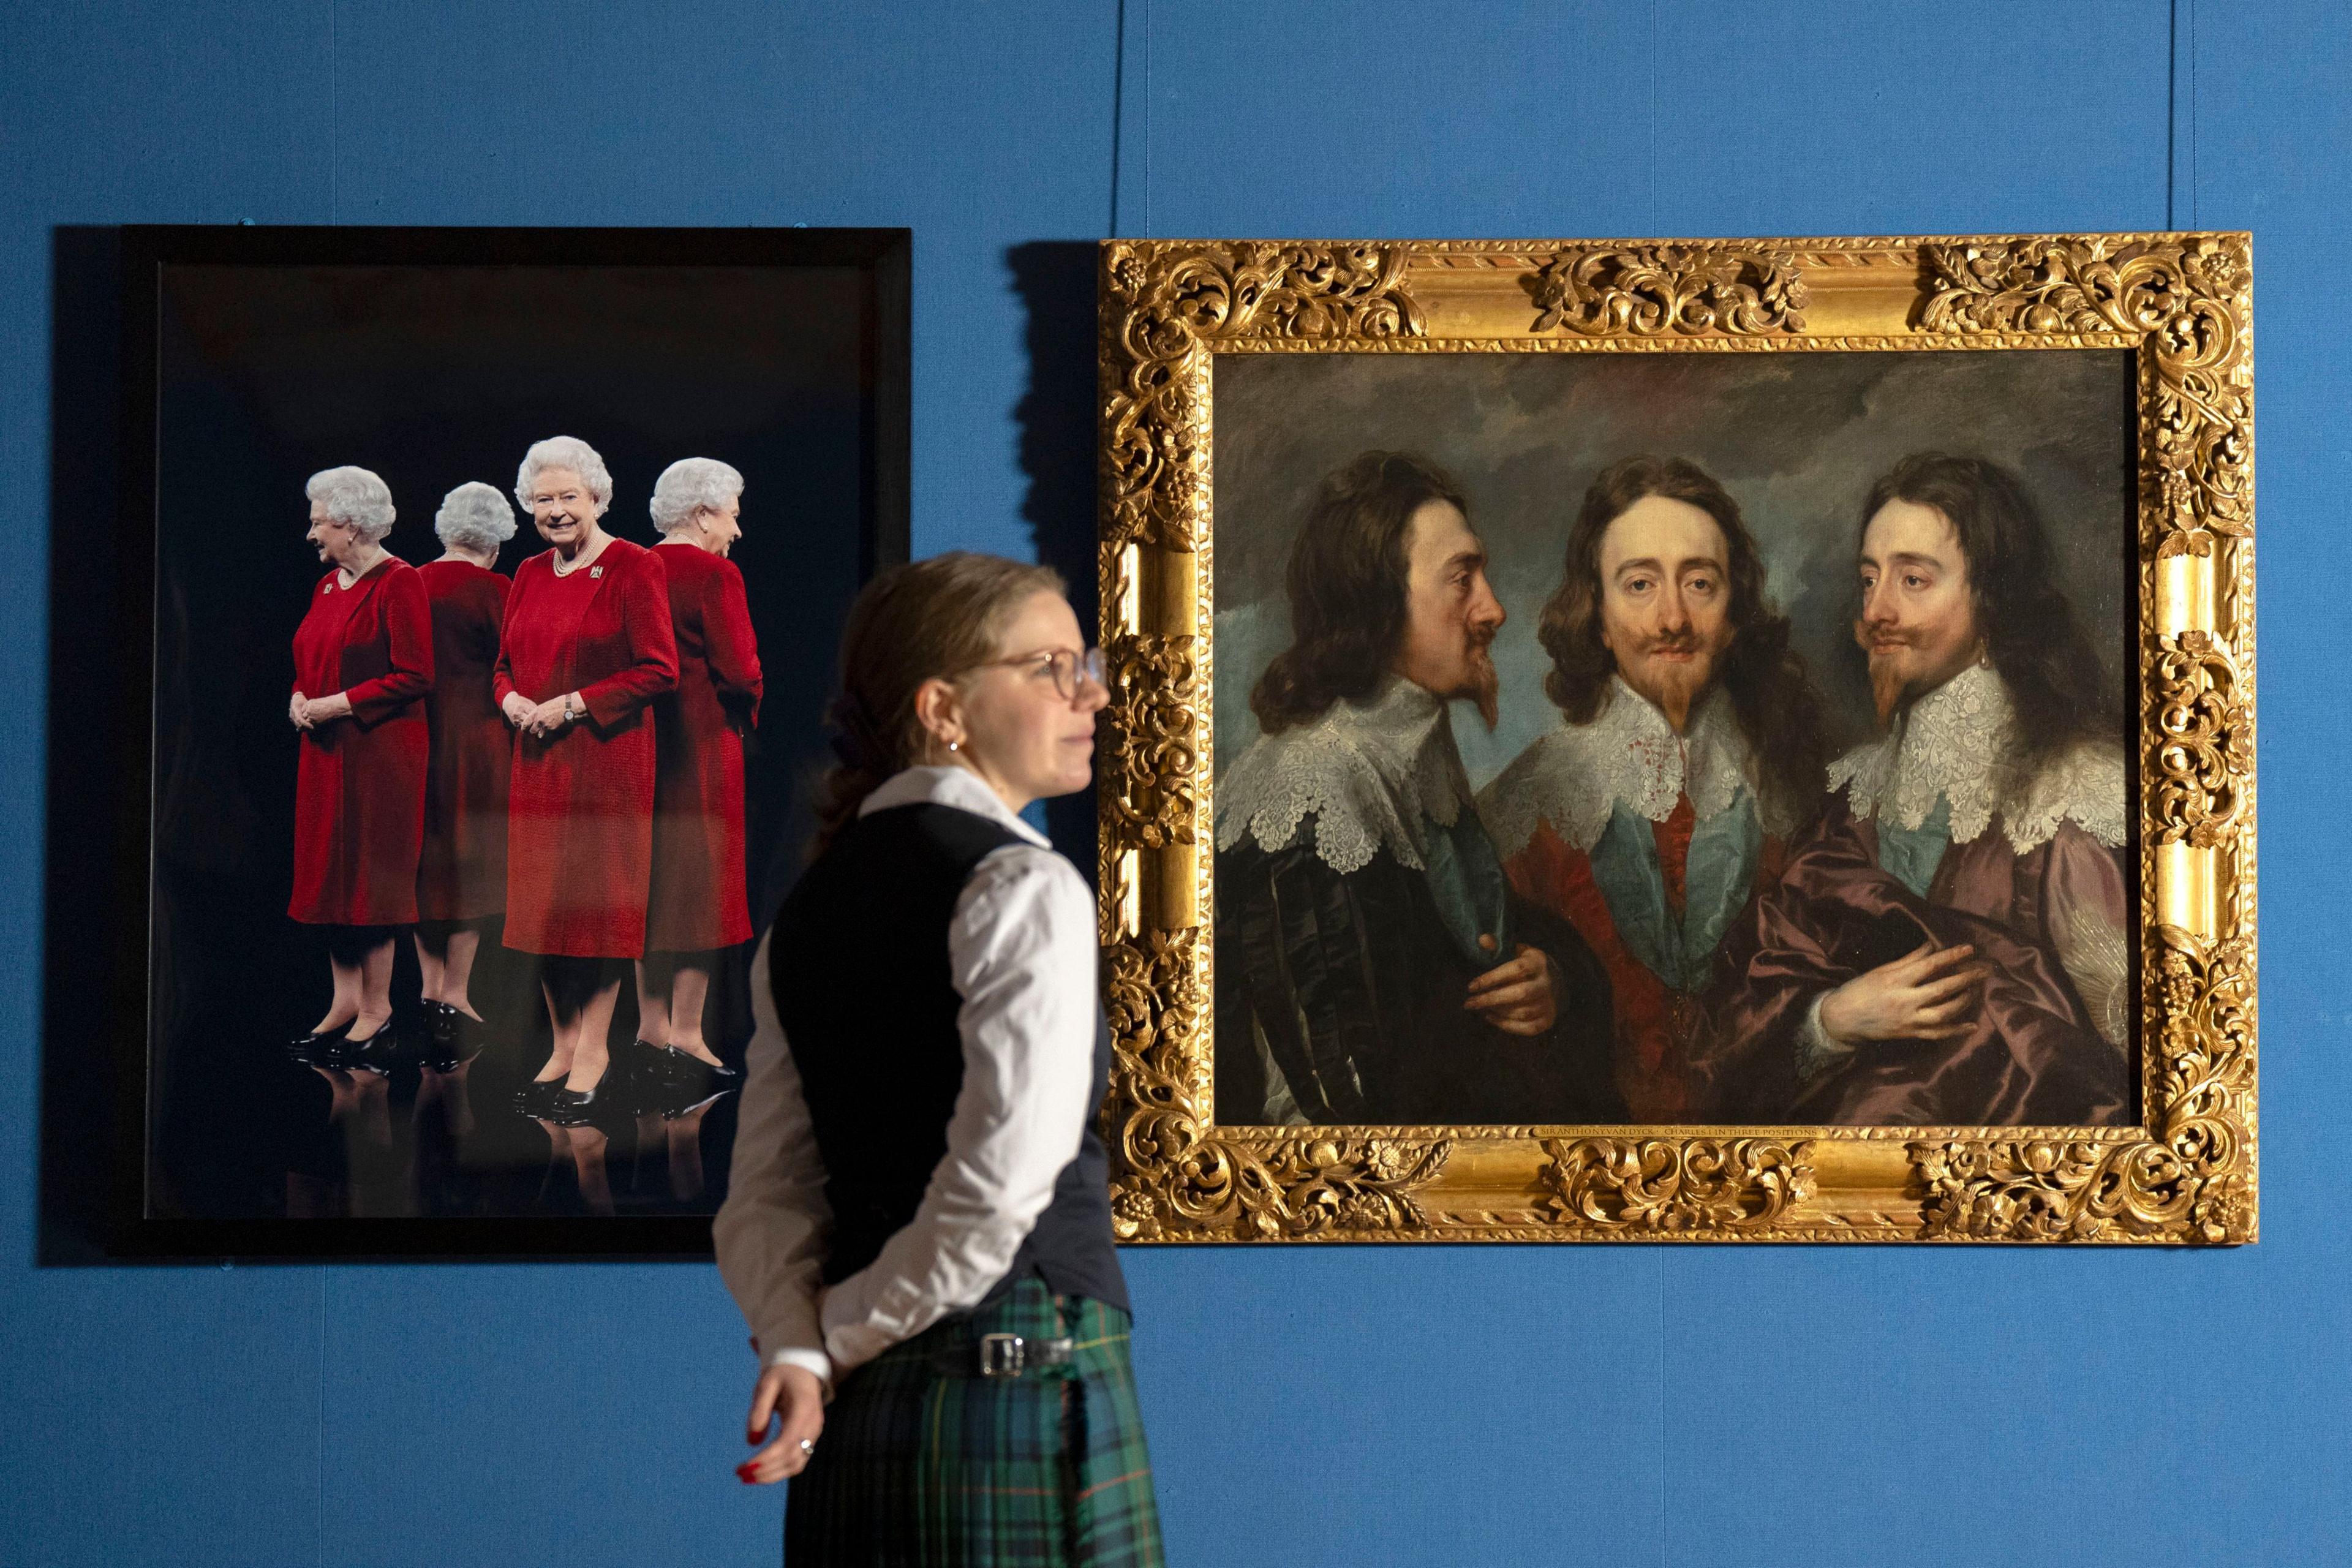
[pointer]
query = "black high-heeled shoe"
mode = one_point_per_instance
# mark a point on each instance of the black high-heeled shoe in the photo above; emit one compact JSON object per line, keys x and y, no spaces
{"x":473,"y":1036}
{"x":318,"y":1048}
{"x":440,"y":1051}
{"x":533,"y":1098}
{"x":568,"y":1107}
{"x":687,"y":1080}
{"x":640,"y":1065}
{"x":379,"y":1053}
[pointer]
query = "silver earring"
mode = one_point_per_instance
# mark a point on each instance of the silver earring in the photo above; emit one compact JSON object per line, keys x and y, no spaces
{"x":951,"y":745}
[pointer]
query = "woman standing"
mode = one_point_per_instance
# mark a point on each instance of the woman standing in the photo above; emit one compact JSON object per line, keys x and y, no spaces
{"x":919,"y":1216}
{"x":461,"y":882}
{"x":697,"y":904}
{"x":362,"y":661}
{"x":585,"y":646}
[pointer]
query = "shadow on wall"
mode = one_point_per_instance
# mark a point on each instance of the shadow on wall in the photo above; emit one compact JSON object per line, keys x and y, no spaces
{"x":1056,"y":280}
{"x":81,"y":896}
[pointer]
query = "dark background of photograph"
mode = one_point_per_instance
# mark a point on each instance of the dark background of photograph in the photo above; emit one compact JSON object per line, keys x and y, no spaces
{"x":1796,"y":437}
{"x":432,"y":377}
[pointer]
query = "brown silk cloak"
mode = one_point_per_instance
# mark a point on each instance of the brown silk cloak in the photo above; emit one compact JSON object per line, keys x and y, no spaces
{"x":2032,"y":1056}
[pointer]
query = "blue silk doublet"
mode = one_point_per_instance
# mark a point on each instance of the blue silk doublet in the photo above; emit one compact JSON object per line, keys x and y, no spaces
{"x":1465,"y":879}
{"x":1910,"y":854}
{"x":1721,"y":869}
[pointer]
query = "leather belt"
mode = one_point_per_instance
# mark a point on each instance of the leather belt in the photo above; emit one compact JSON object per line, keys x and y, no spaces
{"x":1004,"y":1355}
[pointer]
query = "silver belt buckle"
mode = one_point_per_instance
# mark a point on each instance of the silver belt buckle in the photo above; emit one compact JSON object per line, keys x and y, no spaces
{"x":1001,"y":1356}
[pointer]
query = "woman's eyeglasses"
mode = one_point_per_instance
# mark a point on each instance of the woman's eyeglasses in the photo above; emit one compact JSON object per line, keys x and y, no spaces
{"x":1067,"y":669}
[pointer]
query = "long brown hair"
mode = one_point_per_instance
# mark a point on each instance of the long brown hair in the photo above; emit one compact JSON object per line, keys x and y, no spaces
{"x":1765,"y":676}
{"x":1347,"y":583}
{"x":2030,"y":633}
{"x":934,"y":617}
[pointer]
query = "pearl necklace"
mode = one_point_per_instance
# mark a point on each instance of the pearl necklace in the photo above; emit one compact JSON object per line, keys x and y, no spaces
{"x":577,"y":562}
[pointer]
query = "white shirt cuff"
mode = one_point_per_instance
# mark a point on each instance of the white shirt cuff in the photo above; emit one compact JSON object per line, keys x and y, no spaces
{"x":1817,"y":1053}
{"x":814,"y":1362}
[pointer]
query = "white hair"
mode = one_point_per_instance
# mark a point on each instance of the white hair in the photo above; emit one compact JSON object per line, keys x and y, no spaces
{"x":475,"y":516}
{"x":564,"y":452}
{"x":356,"y":497}
{"x":690,"y":485}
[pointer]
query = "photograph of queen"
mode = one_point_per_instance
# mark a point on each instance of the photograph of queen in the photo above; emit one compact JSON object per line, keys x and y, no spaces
{"x":520,"y":749}
{"x":585,"y":648}
{"x":549,"y":766}
{"x":362,"y":666}
{"x":461,"y":882}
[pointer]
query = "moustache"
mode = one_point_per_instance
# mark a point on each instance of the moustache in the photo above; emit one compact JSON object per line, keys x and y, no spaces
{"x":1680,"y":644}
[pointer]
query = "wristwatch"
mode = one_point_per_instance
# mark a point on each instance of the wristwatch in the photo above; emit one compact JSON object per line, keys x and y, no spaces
{"x":571,"y":715}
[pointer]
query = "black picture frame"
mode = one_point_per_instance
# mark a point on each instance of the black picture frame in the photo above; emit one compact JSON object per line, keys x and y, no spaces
{"x":106,"y":663}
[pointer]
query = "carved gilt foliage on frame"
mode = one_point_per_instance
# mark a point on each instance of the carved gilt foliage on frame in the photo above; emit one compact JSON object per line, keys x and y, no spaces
{"x":2203,"y":740}
{"x":2186,"y":1173}
{"x":1151,"y":737}
{"x":1657,"y":289}
{"x":2189,"y":303}
{"x":1165,"y":305}
{"x":1663,"y":1186}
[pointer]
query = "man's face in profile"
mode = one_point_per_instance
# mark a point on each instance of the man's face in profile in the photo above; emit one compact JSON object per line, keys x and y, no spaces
{"x":1451,"y":614}
{"x":1918,"y":622}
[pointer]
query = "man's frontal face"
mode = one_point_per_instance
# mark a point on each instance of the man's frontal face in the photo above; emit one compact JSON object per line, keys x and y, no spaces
{"x":1919,"y":618}
{"x":1665,"y":601}
{"x":1451,"y":614}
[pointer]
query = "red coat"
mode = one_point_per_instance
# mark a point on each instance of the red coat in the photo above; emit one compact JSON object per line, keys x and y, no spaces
{"x":579,"y":805}
{"x":358,"y":793}
{"x":698,"y":901}
{"x":463,"y":875}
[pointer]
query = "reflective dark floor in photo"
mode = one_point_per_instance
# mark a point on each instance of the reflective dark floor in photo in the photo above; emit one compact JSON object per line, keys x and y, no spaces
{"x":246,"y":1127}
{"x":410,"y":1139}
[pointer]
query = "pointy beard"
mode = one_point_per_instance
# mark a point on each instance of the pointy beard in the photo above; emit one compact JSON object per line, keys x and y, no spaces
{"x":1486,"y":688}
{"x":1679,"y":689}
{"x":1889,"y":684}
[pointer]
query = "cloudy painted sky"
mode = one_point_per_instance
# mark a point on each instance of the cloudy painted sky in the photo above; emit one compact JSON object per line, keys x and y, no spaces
{"x":1797,"y":437}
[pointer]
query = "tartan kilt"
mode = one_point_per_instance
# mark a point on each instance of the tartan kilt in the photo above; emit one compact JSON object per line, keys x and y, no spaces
{"x":921,"y":1467}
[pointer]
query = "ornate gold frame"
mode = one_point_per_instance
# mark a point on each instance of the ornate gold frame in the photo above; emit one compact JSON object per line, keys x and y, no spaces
{"x":2181,"y":301}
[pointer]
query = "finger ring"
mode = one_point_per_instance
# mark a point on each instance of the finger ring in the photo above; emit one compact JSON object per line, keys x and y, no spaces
{"x":807,"y":1445}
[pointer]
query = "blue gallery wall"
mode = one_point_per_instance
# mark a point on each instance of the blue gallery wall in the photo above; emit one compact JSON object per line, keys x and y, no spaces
{"x":1309,"y":1406}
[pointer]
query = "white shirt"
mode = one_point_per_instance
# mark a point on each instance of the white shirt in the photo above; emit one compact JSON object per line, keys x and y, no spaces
{"x":1022,"y":954}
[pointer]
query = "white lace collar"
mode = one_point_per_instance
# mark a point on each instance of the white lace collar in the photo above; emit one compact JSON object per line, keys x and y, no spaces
{"x":1954,"y":743}
{"x":1578,"y":776}
{"x":1369,"y":773}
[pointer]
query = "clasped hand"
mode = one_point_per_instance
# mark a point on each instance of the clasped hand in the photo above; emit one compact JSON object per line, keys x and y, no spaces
{"x":1925,"y":995}
{"x":1517,"y":998}
{"x":310,"y":712}
{"x":537,"y":718}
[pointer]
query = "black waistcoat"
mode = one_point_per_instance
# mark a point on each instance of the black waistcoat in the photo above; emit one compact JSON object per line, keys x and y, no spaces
{"x":865,"y":991}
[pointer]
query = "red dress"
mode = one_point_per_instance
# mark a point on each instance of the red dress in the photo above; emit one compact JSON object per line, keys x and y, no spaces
{"x":463,"y":875}
{"x":698,"y":901}
{"x":579,"y":805}
{"x":359,"y":794}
